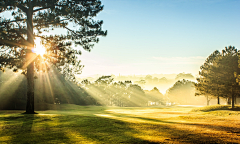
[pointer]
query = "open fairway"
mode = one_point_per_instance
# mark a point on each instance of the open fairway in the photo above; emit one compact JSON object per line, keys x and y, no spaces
{"x":95,"y":124}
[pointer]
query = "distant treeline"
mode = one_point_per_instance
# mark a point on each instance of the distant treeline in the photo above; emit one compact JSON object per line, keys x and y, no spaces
{"x":52,"y":88}
{"x":106,"y":91}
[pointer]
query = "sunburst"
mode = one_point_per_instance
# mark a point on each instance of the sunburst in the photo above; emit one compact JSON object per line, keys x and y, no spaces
{"x":39,"y":48}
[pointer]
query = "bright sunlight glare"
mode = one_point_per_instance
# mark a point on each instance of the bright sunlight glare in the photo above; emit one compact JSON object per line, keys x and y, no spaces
{"x":39,"y":49}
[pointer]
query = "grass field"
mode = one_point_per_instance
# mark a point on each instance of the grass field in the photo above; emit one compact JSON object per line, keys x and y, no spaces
{"x":93,"y":124}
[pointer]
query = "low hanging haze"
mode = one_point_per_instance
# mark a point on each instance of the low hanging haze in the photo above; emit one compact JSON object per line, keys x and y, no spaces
{"x":159,"y":36}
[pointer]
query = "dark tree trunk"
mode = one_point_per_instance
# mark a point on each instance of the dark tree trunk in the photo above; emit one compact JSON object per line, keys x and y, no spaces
{"x":233,"y":101}
{"x":207,"y":100}
{"x":218,"y":100}
{"x":30,"y":67}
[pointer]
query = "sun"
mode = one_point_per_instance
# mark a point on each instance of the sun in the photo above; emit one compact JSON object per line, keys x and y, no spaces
{"x":39,"y":48}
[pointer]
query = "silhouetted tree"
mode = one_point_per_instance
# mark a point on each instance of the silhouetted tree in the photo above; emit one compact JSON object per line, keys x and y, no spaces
{"x":30,"y":18}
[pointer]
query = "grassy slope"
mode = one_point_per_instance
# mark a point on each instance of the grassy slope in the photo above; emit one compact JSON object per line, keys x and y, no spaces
{"x":77,"y":124}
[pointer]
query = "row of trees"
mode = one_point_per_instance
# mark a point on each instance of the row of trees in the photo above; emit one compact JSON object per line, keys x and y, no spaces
{"x":218,"y":76}
{"x":107,"y":92}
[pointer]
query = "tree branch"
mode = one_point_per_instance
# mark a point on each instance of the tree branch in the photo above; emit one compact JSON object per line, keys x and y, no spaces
{"x":13,"y":21}
{"x":51,"y":22}
{"x":46,"y":8}
{"x":11,"y":42}
{"x":42,"y":8}
{"x":23,"y":8}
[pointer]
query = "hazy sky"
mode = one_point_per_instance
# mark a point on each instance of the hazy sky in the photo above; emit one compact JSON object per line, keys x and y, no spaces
{"x":160,"y":36}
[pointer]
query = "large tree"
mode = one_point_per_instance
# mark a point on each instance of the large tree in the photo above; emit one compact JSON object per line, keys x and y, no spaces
{"x":71,"y":22}
{"x":217,"y":75}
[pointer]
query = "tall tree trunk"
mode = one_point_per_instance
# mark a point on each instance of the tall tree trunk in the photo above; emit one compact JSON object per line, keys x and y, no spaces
{"x":233,"y":101}
{"x":30,"y":67}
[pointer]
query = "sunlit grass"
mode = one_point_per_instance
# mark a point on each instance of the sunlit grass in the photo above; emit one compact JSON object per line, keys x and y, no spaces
{"x":96,"y":124}
{"x":214,"y":107}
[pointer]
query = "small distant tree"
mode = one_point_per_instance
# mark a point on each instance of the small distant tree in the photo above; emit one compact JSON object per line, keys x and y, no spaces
{"x":181,"y":76}
{"x":136,"y":95}
{"x":35,"y":18}
{"x":182,"y":92}
{"x":155,"y":95}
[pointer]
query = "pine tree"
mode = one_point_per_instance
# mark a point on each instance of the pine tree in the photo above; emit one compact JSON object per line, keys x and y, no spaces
{"x":217,"y":75}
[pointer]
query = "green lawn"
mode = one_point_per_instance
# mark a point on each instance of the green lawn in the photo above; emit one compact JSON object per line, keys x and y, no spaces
{"x":79,"y":124}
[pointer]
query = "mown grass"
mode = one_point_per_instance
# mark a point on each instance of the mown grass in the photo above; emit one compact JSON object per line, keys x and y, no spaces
{"x":92,"y":124}
{"x":215,"y":107}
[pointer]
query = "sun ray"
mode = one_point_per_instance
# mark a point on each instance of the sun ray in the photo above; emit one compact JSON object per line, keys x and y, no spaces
{"x":48,"y":80}
{"x":16,"y":80}
{"x":30,"y":58}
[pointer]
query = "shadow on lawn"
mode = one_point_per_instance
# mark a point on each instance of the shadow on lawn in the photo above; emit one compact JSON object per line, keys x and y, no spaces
{"x":36,"y":129}
{"x":21,"y":129}
{"x":168,"y":129}
{"x":98,"y":129}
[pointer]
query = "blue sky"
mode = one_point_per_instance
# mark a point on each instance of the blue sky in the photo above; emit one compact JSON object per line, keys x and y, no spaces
{"x":159,"y":36}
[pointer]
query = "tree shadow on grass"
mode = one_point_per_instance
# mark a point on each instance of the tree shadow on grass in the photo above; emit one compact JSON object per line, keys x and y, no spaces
{"x":174,"y":133}
{"x":101,"y":130}
{"x":235,"y":109}
{"x":98,"y":129}
{"x":22,"y":129}
{"x":110,"y":130}
{"x":66,"y":129}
